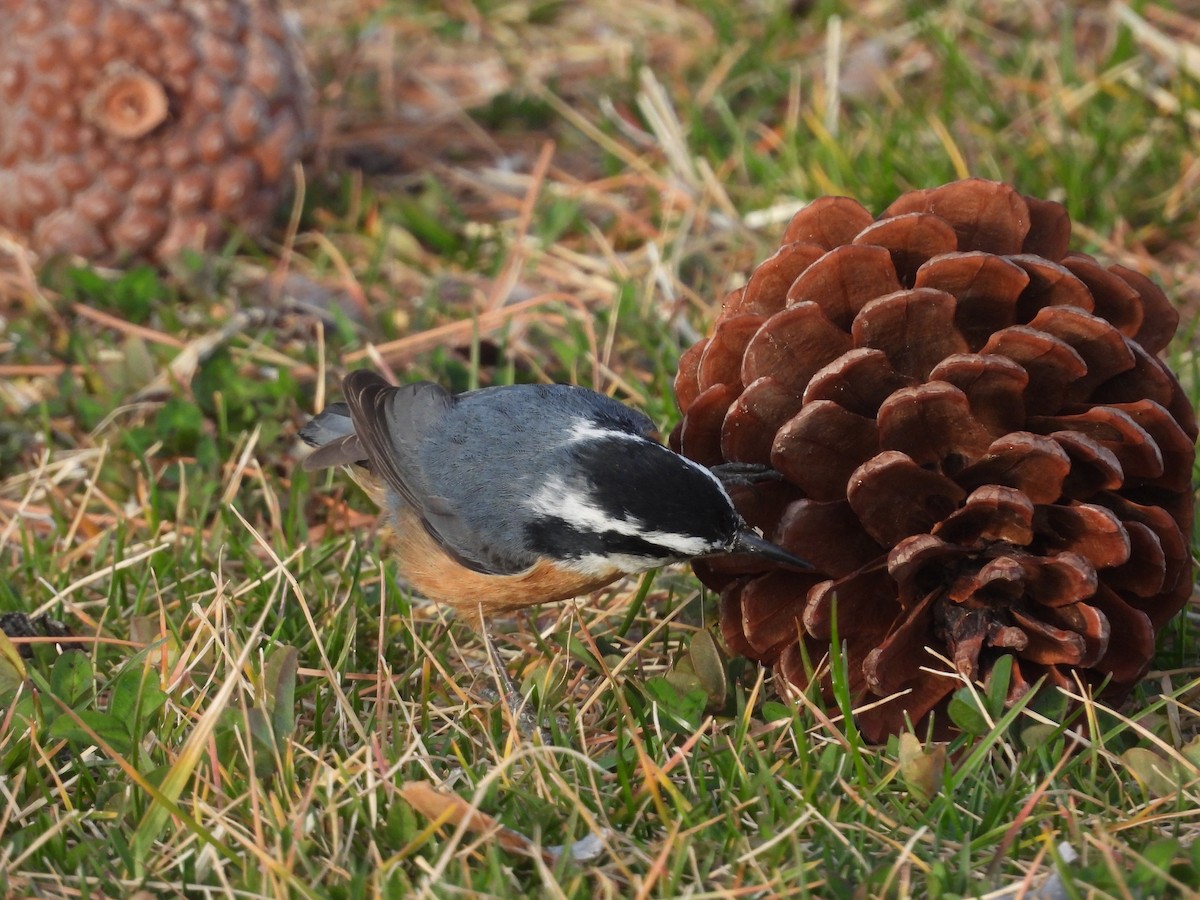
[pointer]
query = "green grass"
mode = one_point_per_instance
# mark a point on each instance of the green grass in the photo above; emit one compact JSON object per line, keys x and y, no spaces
{"x":262,"y":689}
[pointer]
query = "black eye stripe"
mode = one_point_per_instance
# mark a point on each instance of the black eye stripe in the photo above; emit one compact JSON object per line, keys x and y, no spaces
{"x":559,"y":539}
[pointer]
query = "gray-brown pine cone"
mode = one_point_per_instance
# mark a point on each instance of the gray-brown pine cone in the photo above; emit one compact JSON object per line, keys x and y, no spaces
{"x":132,"y":129}
{"x":981,"y":451}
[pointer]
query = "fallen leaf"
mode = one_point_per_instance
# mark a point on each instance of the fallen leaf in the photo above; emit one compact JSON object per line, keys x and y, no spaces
{"x":922,"y":767}
{"x":446,"y":808}
{"x":1152,"y":772}
{"x":709,"y":667}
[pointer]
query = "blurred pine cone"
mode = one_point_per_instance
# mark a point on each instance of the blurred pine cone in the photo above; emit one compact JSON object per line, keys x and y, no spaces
{"x":981,"y":452}
{"x":135,"y":128}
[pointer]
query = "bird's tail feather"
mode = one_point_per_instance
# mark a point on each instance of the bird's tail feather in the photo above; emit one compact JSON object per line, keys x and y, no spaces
{"x":332,"y":434}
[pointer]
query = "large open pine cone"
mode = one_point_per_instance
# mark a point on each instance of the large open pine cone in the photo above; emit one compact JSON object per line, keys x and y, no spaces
{"x":136,"y":128}
{"x":981,"y":452}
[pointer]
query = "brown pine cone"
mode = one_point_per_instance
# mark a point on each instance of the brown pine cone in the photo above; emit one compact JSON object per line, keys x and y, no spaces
{"x":981,"y":452}
{"x":135,"y":128}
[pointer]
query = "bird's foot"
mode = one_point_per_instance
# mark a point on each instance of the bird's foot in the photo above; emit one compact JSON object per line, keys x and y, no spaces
{"x":738,"y":474}
{"x":523,"y":714}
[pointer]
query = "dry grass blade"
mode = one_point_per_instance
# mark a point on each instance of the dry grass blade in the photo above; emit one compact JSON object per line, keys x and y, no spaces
{"x":1175,"y":51}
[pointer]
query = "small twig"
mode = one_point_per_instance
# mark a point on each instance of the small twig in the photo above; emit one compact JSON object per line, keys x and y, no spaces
{"x":118,"y":324}
{"x":503,"y":285}
{"x":487,"y":323}
{"x":184,"y":365}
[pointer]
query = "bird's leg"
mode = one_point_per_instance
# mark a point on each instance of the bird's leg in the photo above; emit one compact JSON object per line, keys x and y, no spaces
{"x":524,"y":717}
{"x":737,"y":474}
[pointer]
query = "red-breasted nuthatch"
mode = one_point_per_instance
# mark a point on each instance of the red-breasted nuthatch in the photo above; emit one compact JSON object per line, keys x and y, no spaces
{"x":504,"y":497}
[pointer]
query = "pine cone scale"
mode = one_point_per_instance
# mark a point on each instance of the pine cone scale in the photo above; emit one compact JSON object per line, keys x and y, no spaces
{"x":820,"y":447}
{"x":1034,"y":465}
{"x":895,"y":498}
{"x":761,"y":410}
{"x":932,"y":424}
{"x":771,"y":280}
{"x":858,"y":380}
{"x":1051,"y":365}
{"x":843,"y":280}
{"x":828,"y":222}
{"x":914,"y":328}
{"x":792,"y":346}
{"x":1114,"y":300}
{"x":987,"y":288}
{"x":830,"y":534}
{"x":910,"y":239}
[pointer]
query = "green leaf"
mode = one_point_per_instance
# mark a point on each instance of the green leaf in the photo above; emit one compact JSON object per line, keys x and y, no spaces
{"x":260,"y":729}
{"x":964,"y":712}
{"x":1050,"y":702}
{"x":773,"y":711}
{"x":1191,"y":751}
{"x":427,"y":227}
{"x":684,"y":680}
{"x":179,"y":425}
{"x":72,"y":678}
{"x":133,"y":294}
{"x":264,"y":744}
{"x":1038,"y":735}
{"x":280,"y":678}
{"x":547,"y":681}
{"x":998,"y":682}
{"x":108,"y":728}
{"x":135,"y":696}
{"x":832,"y":758}
{"x":680,"y":710}
{"x":1155,"y":863}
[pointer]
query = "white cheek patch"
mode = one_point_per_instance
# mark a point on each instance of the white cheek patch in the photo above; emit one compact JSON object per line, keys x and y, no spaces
{"x":593,"y":565}
{"x":555,"y":498}
{"x":576,"y":508}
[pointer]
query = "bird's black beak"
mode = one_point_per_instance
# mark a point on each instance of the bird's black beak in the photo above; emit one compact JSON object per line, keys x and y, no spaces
{"x":748,"y":542}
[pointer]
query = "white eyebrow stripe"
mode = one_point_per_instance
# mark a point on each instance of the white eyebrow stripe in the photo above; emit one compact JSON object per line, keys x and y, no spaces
{"x":704,"y":469}
{"x":687,"y":546}
{"x":586,"y":429}
{"x":555,"y":498}
{"x":707,"y":471}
